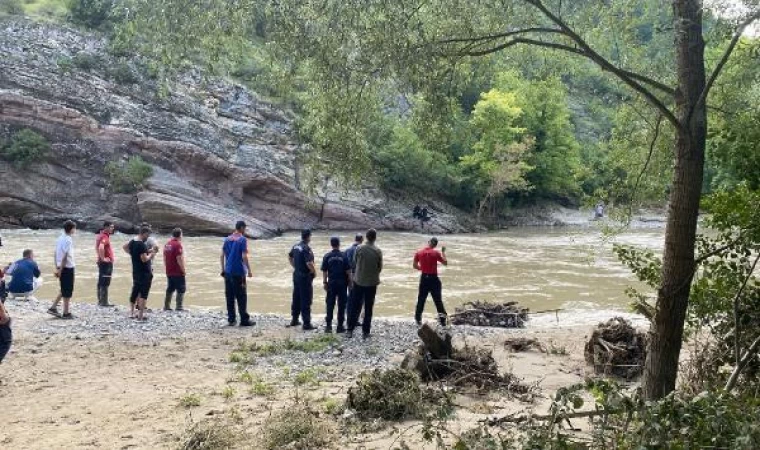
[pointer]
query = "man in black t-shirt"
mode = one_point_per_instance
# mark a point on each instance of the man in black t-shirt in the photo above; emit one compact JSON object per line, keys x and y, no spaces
{"x":6,"y":335}
{"x":336,"y":275}
{"x":142,"y":270}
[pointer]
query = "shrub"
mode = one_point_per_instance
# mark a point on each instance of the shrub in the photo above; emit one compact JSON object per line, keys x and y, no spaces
{"x":25,"y":147}
{"x":190,"y":401}
{"x":65,"y":64}
{"x":123,"y":73}
{"x":92,"y":14}
{"x":295,"y":427}
{"x":86,"y":61}
{"x":393,"y":394}
{"x":210,"y":435}
{"x":11,"y":7}
{"x":129,"y":176}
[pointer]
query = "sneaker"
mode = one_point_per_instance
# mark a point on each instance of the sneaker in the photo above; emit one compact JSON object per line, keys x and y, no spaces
{"x":249,"y":323}
{"x":67,"y":316}
{"x":309,"y":327}
{"x":231,"y":323}
{"x":169,"y":309}
{"x":365,"y":336}
{"x":293,"y":323}
{"x":341,"y":329}
{"x":181,"y":310}
{"x":349,"y":334}
{"x":54,"y":312}
{"x":328,"y":329}
{"x":419,"y":323}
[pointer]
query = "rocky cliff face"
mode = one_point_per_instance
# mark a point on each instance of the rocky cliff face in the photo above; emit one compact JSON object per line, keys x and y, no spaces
{"x":218,"y":151}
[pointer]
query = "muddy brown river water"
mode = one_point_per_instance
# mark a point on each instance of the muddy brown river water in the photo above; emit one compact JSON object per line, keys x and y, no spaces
{"x":571,"y":268}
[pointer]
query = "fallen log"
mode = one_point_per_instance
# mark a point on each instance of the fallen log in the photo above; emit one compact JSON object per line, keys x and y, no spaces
{"x":479,"y":313}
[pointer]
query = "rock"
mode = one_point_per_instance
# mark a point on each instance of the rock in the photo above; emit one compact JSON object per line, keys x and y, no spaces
{"x":219,"y":152}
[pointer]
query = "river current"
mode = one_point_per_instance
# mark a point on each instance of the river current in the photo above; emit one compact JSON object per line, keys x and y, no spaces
{"x":567,"y":268}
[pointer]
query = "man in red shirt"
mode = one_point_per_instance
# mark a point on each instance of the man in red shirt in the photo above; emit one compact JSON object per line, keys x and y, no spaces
{"x":174,"y":261}
{"x":105,"y":256}
{"x":426,"y":261}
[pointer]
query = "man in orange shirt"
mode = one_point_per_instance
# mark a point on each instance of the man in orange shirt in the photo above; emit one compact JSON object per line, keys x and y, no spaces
{"x":105,"y":256}
{"x":426,"y":261}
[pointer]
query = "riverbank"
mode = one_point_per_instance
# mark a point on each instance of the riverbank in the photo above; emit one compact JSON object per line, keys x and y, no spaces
{"x":104,"y":381}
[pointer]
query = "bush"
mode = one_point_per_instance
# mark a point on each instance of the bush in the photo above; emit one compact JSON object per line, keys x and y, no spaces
{"x":92,"y":14}
{"x":128,"y":177}
{"x":25,"y":147}
{"x":295,"y":427}
{"x":11,"y":7}
{"x":394,"y":394}
{"x":210,"y":435}
{"x":86,"y":61}
{"x":123,"y":73}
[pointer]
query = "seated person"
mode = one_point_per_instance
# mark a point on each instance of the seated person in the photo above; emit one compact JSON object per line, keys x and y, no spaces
{"x":24,"y":277}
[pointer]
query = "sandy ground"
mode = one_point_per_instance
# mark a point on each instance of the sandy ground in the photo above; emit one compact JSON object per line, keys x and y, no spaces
{"x":64,"y":391}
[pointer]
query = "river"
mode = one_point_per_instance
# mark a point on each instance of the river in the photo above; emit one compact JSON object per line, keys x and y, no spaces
{"x":568,"y":268}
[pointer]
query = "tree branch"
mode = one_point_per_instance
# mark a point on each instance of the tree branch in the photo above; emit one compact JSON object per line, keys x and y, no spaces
{"x":606,"y":65}
{"x":737,"y":334}
{"x":723,"y":60}
{"x":493,"y":37}
{"x":751,"y":351}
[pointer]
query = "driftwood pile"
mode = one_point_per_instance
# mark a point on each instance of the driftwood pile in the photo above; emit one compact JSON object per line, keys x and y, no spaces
{"x":487,"y":314}
{"x":616,"y":348}
{"x":437,"y":360}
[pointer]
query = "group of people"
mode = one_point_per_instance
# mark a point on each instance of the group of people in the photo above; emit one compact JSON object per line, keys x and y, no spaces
{"x":350,"y":279}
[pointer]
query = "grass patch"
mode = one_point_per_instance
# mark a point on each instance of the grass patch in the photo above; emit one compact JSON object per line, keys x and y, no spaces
{"x":295,"y":427}
{"x":228,"y":393}
{"x":210,"y":435}
{"x":332,"y":406}
{"x":318,"y":344}
{"x":190,"y":401}
{"x":262,"y":389}
{"x":307,"y":376}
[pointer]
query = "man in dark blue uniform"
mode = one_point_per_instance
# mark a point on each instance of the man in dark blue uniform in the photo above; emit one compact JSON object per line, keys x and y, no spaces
{"x":302,"y":260}
{"x":336,"y":277}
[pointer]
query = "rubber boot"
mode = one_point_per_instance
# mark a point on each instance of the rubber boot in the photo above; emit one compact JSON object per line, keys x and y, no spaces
{"x":168,"y":302}
{"x":180,"y":298}
{"x":103,"y":297}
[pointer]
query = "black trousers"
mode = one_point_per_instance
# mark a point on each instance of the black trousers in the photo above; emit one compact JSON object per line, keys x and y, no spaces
{"x":175,"y":283}
{"x":235,"y":290}
{"x":105,"y":270}
{"x":336,"y":291}
{"x":361,"y":297}
{"x":303,"y":295}
{"x":430,"y":284}
{"x":6,"y":338}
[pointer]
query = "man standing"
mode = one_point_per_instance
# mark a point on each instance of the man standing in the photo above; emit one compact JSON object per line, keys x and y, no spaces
{"x":105,"y":256}
{"x":302,"y":260}
{"x":336,"y":277}
{"x":235,"y":269}
{"x":64,"y":269}
{"x":23,"y":272}
{"x":426,"y":261}
{"x":142,"y":270}
{"x":174,"y":262}
{"x":369,"y":263}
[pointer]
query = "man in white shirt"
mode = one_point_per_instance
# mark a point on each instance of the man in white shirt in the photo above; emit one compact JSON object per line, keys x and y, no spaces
{"x":64,"y":269}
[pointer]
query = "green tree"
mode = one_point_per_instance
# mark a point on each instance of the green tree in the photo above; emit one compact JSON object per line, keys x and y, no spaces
{"x":555,"y":156}
{"x":128,"y":176}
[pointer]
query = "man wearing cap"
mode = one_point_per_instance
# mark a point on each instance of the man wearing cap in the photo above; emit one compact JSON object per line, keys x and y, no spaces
{"x":302,"y":260}
{"x":426,"y":261}
{"x":235,"y":269}
{"x":336,"y":276}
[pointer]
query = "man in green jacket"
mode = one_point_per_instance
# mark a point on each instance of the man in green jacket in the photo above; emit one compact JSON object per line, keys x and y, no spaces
{"x":368,"y":260}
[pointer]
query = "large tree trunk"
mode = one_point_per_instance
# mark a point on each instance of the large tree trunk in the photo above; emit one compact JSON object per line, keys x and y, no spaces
{"x":661,"y":365}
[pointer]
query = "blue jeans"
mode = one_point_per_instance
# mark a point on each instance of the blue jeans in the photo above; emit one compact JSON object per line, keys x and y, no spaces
{"x":235,"y":290}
